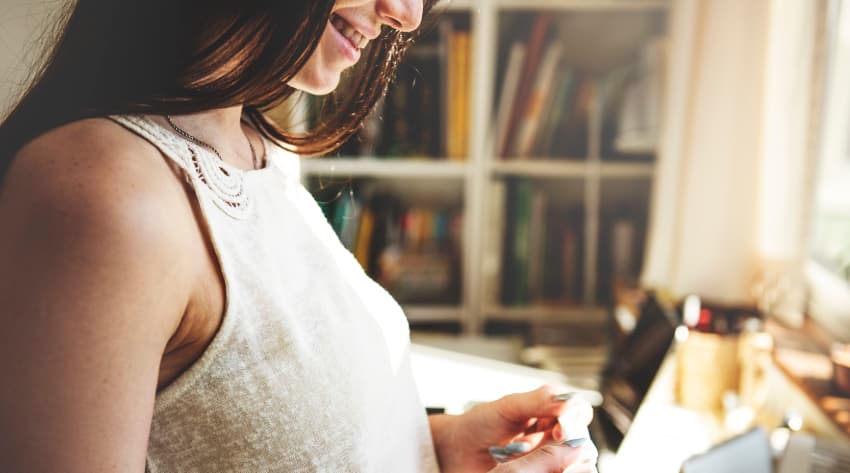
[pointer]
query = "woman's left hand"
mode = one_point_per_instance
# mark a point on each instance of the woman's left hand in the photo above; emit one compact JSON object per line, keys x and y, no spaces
{"x":463,"y":442}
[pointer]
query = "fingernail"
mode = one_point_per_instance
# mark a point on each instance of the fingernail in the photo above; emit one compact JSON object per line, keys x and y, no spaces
{"x":577,"y":434}
{"x":564,"y":397}
{"x":500,"y":458}
{"x":518,"y":447}
{"x":497,"y":450}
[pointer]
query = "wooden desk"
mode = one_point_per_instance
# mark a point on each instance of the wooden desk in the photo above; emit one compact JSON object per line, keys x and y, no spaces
{"x":811,"y":373}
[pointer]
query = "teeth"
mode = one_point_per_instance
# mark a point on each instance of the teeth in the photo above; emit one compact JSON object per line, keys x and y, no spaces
{"x":349,"y":32}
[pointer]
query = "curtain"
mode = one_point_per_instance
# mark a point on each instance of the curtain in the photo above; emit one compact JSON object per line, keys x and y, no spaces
{"x":733,"y":180}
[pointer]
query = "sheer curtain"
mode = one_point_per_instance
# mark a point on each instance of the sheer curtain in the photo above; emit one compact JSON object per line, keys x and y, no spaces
{"x":732,"y":191}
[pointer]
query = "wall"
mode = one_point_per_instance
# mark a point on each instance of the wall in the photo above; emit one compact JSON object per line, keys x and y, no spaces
{"x":22,"y":26}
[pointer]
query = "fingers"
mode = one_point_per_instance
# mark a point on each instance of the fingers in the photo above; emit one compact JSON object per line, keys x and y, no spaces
{"x":550,"y":458}
{"x":546,"y":401}
{"x":509,"y":451}
{"x":541,"y":425}
{"x":572,"y":425}
{"x":573,"y":422}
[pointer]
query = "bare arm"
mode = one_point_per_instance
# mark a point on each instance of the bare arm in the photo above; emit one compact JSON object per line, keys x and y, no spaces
{"x":92,"y":285}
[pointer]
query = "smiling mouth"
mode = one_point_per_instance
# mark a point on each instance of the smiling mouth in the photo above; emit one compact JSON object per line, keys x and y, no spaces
{"x":352,"y":35}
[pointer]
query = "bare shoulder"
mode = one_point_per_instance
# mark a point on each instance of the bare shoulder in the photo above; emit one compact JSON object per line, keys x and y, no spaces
{"x":93,"y":189}
{"x":94,"y":279}
{"x":90,"y":167}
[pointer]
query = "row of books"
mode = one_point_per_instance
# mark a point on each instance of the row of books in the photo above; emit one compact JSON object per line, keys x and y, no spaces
{"x":426,"y":112}
{"x":622,"y":236}
{"x":544,"y":102}
{"x":536,"y":251}
{"x":413,"y":251}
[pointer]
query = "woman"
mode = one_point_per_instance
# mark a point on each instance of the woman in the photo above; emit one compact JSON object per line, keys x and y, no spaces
{"x":172,"y":299}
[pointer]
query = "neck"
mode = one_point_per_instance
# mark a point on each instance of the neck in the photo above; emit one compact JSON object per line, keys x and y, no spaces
{"x":224,"y":121}
{"x":222,"y":128}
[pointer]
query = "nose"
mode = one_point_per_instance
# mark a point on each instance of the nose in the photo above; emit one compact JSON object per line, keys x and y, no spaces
{"x":403,"y":15}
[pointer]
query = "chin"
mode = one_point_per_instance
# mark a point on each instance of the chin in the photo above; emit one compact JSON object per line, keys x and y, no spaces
{"x":316,"y":84}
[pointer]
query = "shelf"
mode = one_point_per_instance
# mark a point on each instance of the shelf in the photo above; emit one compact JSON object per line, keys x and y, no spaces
{"x":435,"y":313}
{"x":625,"y":169}
{"x":455,"y":5}
{"x":582,"y":4}
{"x":565,"y":168}
{"x":595,"y":180}
{"x":374,"y":167}
{"x":548,"y":313}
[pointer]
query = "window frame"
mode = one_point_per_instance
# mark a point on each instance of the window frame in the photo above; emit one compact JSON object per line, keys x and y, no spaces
{"x":829,"y":294}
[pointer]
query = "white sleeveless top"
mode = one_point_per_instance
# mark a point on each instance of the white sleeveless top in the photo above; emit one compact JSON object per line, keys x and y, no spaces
{"x":310,"y":369}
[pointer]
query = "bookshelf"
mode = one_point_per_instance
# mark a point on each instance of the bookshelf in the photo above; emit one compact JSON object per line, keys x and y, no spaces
{"x":601,"y":179}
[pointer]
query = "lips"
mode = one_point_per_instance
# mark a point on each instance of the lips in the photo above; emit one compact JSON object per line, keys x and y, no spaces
{"x":357,"y":40}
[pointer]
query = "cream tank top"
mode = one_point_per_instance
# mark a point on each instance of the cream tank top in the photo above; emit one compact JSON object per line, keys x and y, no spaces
{"x":310,"y":369}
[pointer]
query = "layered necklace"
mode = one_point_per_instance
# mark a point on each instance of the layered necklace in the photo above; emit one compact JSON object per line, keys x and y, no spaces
{"x":185,"y":134}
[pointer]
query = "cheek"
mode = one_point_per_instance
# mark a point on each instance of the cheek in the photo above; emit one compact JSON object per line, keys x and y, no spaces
{"x":320,"y":75}
{"x":340,"y":4}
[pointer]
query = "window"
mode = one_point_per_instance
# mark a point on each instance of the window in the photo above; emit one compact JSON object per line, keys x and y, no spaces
{"x":829,"y":272}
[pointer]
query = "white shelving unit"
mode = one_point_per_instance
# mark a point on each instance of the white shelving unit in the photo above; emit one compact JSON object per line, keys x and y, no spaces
{"x":385,"y":168}
{"x":481,"y":166}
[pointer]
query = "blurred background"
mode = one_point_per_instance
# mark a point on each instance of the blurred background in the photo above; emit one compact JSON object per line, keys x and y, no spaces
{"x":647,"y":201}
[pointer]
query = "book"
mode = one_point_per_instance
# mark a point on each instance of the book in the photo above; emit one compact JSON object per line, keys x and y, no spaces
{"x":364,"y":238}
{"x":515,"y":279}
{"x":463,"y":99}
{"x":563,"y":263}
{"x":457,"y":127}
{"x":536,"y":242}
{"x":537,"y":101}
{"x":424,"y":267}
{"x":571,"y":139}
{"x":571,"y":264}
{"x":510,"y":84}
{"x":448,"y":81}
{"x":529,"y":68}
{"x":491,"y":265}
{"x":561,"y":104}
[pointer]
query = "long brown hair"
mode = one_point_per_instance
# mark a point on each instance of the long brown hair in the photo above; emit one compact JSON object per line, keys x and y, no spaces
{"x":177,"y":57}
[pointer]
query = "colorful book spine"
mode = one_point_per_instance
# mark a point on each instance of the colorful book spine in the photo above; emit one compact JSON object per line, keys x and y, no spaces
{"x":493,"y":244}
{"x":537,"y":102}
{"x":529,"y":68}
{"x":457,"y":126}
{"x":507,"y":96}
{"x":561,"y":104}
{"x":364,"y":238}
